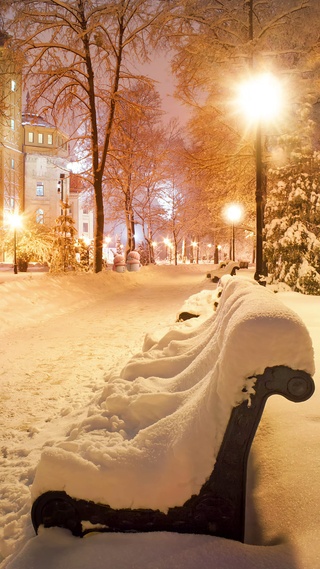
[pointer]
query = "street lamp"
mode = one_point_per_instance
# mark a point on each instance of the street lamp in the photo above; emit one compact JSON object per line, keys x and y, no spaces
{"x":195,"y":256}
{"x":60,"y":190}
{"x":260,"y":99}
{"x":107,"y":242}
{"x":153,"y":249}
{"x":15,"y":222}
{"x":233,"y":213}
{"x":167,"y":243}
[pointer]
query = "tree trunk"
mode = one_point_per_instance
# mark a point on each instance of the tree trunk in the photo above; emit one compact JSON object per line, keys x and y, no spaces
{"x":99,"y":229}
{"x":130,"y":245}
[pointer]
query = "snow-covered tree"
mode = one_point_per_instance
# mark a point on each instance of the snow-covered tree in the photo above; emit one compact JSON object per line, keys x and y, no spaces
{"x":135,"y":144}
{"x":33,"y":243}
{"x":64,"y":243}
{"x":292,"y":227}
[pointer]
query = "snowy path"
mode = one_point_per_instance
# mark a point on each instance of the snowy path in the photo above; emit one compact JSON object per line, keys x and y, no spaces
{"x":56,"y":351}
{"x":58,"y":341}
{"x":69,"y":353}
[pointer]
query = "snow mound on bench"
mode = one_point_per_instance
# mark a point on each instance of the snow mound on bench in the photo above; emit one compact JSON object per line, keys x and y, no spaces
{"x":151,"y":438}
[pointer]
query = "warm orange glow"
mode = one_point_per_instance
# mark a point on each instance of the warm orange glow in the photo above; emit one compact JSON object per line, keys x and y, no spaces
{"x":15,"y":220}
{"x":260,"y":98}
{"x":233,"y":213}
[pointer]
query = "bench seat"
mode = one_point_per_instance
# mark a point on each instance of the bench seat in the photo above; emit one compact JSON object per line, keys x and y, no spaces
{"x":230,"y":268}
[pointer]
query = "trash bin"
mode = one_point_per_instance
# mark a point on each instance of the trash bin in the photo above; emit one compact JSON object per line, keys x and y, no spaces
{"x":133,"y":261}
{"x":119,"y":264}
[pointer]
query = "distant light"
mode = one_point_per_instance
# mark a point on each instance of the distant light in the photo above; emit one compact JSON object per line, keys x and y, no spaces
{"x":233,"y":213}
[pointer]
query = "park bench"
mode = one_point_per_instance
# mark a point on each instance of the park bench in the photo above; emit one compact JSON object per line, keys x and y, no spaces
{"x":244,"y":264}
{"x":219,"y":507}
{"x":229,"y":269}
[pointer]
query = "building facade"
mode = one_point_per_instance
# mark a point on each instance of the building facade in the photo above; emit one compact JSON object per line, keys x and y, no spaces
{"x":46,"y":175}
{"x":34,"y":159}
{"x":11,"y":157}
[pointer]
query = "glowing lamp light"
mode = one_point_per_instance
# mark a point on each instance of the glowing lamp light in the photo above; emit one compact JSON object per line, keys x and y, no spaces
{"x":15,"y":220}
{"x":260,"y":98}
{"x":233,"y":213}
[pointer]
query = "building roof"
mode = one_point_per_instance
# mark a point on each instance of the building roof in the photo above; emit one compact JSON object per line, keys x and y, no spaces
{"x":37,"y":120}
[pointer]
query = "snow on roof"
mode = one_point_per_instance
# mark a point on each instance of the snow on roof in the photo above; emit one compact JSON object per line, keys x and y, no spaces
{"x":37,"y":120}
{"x":151,"y":437}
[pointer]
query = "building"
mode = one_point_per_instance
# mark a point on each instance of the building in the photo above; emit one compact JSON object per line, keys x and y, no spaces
{"x":11,"y":157}
{"x":80,"y":211}
{"x":34,"y":159}
{"x":46,"y":175}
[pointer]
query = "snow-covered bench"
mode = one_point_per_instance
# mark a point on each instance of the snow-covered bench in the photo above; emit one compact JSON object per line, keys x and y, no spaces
{"x":165,"y":446}
{"x":230,"y":268}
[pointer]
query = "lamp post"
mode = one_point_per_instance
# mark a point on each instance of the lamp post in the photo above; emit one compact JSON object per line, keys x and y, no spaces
{"x":153,"y":249}
{"x":260,"y":99}
{"x":167,"y":243}
{"x":60,"y":190}
{"x":195,"y":251}
{"x":15,"y":222}
{"x":260,"y":205}
{"x":107,"y":242}
{"x":233,"y":213}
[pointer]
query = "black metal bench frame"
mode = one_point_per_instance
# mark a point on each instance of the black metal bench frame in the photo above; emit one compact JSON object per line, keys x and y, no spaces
{"x":218,"y":509}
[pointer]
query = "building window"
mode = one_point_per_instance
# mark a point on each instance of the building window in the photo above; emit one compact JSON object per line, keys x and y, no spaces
{"x":12,"y":163}
{"x":40,"y":189}
{"x":12,"y":124}
{"x":40,"y":216}
{"x":85,"y":227}
{"x":30,"y":137}
{"x":50,"y":139}
{"x":40,"y":137}
{"x":13,"y":85}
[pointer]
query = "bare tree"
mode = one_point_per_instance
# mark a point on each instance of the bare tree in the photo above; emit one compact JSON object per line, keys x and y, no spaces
{"x":134,"y":155}
{"x":80,"y":58}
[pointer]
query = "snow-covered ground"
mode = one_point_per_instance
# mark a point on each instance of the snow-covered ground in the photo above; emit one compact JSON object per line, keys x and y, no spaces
{"x":62,"y":340}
